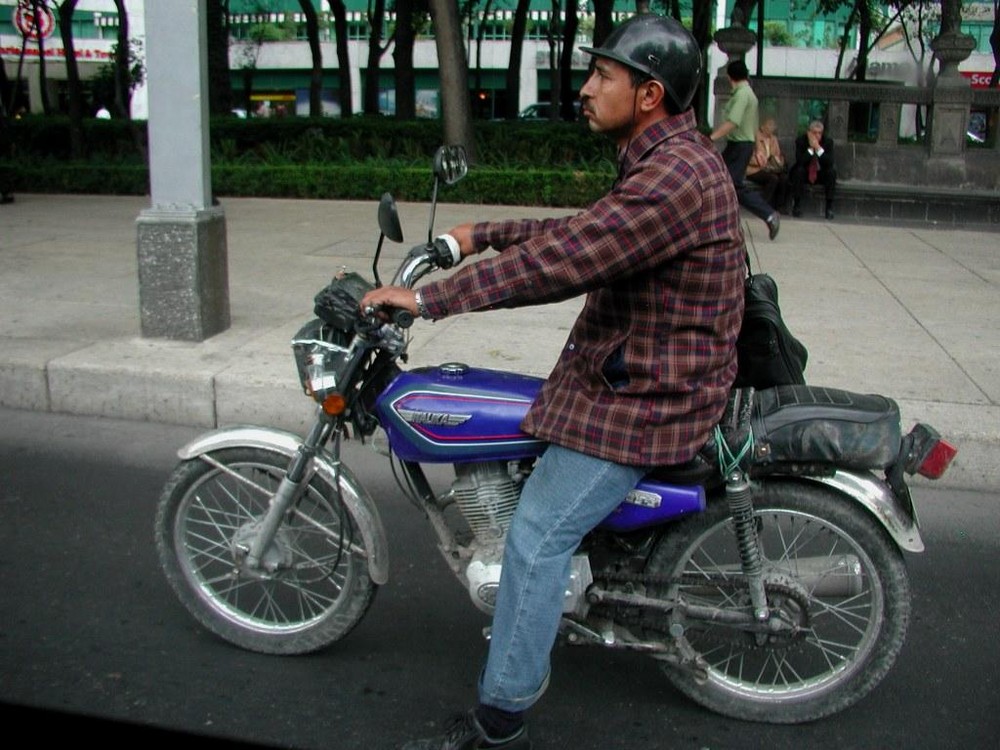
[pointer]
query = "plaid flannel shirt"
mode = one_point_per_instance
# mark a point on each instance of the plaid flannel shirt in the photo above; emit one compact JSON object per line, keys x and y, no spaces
{"x":647,"y":367}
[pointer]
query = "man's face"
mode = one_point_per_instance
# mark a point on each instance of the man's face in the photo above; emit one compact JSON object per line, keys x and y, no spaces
{"x":609,"y":98}
{"x":816,"y":132}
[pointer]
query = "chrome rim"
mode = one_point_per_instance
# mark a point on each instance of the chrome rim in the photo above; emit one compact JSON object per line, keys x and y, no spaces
{"x":840,"y":630}
{"x":311,"y":555}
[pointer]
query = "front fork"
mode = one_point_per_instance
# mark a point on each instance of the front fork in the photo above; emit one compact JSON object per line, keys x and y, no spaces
{"x":289,"y":490}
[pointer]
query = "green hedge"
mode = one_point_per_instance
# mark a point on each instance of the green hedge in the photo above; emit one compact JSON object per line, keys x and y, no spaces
{"x":510,"y":186}
{"x":303,"y":140}
{"x":549,"y":164}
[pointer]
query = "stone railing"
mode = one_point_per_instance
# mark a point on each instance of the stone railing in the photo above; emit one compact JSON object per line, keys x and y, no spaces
{"x":940,"y":158}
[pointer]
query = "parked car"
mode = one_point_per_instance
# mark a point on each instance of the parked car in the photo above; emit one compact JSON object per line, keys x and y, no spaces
{"x":543,"y":111}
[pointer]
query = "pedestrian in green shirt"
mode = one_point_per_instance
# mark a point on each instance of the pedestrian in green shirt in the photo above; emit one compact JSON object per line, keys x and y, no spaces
{"x":739,"y":128}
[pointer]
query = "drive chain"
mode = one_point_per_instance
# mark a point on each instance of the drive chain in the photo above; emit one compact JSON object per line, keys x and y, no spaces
{"x":634,"y":614}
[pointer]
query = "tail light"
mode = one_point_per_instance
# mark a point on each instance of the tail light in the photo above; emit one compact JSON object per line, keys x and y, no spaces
{"x":929,"y":455}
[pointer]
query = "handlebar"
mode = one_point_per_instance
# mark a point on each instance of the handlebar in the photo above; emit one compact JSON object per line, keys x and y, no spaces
{"x":442,"y":252}
{"x":399,"y":317}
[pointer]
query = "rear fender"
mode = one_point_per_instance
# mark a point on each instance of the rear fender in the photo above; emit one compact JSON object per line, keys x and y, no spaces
{"x":357,"y":500}
{"x":895,"y":514}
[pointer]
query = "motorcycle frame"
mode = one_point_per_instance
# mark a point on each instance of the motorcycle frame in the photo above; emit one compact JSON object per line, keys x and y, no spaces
{"x":872,"y":494}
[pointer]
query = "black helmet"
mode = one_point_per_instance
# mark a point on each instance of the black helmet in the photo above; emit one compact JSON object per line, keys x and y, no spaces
{"x":659,"y":47}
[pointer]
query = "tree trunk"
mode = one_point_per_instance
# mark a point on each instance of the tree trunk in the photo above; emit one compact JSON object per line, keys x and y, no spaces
{"x":456,"y":109}
{"x":36,"y":8}
{"x":864,"y":34}
{"x":316,"y":75}
{"x":220,"y":89}
{"x":18,"y":77}
{"x":555,"y":79}
{"x":742,"y":10}
{"x":343,"y":57}
{"x":602,"y":20}
{"x":513,"y":82}
{"x":569,"y":94}
{"x":843,"y":42}
{"x":951,"y":16}
{"x":76,"y":139}
{"x":701,"y":30}
{"x":480,"y":37}
{"x":375,"y":20}
{"x":124,"y":82}
{"x":402,"y":54}
{"x":995,"y":45}
{"x":4,"y":82}
{"x":123,"y":73}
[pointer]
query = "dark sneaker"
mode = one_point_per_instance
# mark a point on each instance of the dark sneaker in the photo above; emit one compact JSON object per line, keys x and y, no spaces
{"x":464,"y":733}
{"x":829,"y":214}
{"x":796,"y":212}
{"x":773,"y":225}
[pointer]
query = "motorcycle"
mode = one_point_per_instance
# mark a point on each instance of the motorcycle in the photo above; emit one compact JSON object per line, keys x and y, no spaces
{"x":766,"y":575}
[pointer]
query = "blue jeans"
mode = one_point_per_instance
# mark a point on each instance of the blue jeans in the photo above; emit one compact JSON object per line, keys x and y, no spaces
{"x":565,"y":496}
{"x":737,"y":155}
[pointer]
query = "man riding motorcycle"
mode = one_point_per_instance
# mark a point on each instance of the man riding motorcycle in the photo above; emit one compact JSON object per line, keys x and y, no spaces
{"x":645,"y":373}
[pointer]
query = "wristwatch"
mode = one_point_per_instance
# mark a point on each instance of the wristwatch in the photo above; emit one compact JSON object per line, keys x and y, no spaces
{"x":421,"y":310}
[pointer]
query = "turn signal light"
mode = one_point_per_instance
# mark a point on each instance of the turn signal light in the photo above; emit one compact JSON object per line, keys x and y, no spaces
{"x":334,"y":404}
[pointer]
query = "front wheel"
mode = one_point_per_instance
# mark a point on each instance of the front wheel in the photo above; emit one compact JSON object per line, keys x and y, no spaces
{"x":313,"y":587}
{"x":830,"y":570}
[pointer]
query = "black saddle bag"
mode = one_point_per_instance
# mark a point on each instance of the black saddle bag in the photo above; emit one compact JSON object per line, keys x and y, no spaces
{"x":767,"y":352}
{"x":799,"y":428}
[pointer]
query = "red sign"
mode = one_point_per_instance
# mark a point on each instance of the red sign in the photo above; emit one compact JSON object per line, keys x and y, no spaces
{"x":978,"y":79}
{"x":30,"y":26}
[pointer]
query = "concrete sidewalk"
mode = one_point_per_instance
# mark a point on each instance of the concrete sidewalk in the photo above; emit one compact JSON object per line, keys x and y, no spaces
{"x":912,"y":313}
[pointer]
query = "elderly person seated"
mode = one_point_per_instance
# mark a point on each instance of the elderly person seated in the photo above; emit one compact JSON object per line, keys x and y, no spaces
{"x":814,"y":165}
{"x":767,"y":168}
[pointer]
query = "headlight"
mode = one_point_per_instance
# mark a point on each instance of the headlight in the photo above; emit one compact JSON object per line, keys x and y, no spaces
{"x":321,"y":356}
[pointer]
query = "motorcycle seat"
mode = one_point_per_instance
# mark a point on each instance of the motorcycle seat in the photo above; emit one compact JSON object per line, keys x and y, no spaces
{"x":802,"y":424}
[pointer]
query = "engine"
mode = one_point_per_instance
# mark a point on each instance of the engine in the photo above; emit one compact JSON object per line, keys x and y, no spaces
{"x":487,"y":495}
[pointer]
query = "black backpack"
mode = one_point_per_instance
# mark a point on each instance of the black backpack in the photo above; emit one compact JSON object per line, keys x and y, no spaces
{"x":767,"y":352}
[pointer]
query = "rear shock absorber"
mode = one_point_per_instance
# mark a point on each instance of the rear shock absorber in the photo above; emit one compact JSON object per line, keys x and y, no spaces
{"x":739,"y":495}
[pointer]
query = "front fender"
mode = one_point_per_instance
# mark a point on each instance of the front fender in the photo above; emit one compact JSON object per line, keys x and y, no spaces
{"x":359,"y":503}
{"x":875,"y":495}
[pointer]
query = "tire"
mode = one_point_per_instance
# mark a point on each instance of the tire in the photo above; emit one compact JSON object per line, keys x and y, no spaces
{"x":320,"y":589}
{"x":849,"y":639}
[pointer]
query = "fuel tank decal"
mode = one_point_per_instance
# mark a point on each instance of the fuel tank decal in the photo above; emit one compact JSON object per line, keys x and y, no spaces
{"x":429,"y":417}
{"x":468,"y":414}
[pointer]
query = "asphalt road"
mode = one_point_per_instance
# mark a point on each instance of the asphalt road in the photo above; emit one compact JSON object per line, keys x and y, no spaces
{"x":93,"y":643}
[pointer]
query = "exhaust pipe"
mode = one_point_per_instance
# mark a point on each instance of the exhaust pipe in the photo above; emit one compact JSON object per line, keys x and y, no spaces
{"x":826,"y":575}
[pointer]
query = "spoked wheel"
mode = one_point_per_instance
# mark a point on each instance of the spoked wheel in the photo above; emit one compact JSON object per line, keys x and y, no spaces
{"x":312,"y":587}
{"x":834,"y":580}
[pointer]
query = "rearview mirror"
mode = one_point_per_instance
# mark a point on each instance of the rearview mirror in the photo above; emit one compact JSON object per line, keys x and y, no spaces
{"x":388,"y":218}
{"x":450,"y":164}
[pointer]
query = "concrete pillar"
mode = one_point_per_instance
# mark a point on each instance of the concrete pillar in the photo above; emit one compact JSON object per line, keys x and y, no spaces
{"x":183,"y":263}
{"x":735,"y":42}
{"x":888,"y":124}
{"x":952,"y":94}
{"x":837,"y":115}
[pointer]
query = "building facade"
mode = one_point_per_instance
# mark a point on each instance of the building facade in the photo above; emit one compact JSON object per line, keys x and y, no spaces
{"x":270,"y":60}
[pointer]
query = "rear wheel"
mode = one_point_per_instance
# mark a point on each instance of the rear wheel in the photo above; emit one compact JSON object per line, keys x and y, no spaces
{"x":830,"y":569}
{"x":313,"y":587}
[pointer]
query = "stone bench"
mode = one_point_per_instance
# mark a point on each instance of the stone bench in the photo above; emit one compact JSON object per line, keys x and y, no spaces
{"x":902,"y":204}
